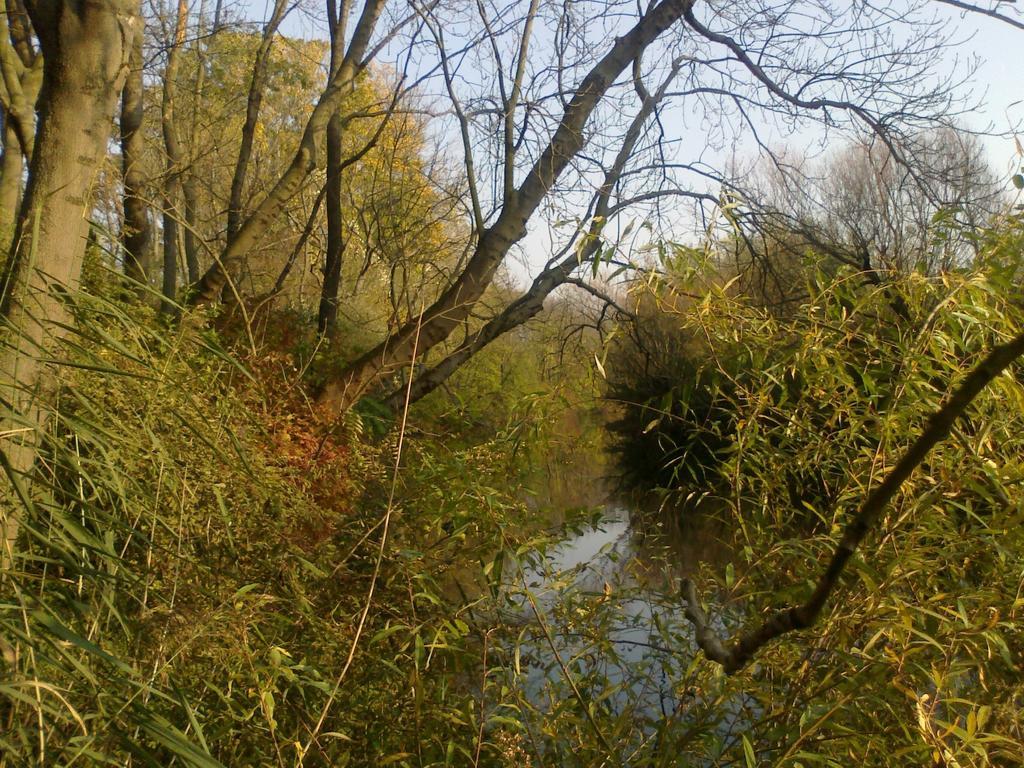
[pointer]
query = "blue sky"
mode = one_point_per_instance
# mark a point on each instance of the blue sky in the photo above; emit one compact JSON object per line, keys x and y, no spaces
{"x":1000,"y":78}
{"x":998,"y":82}
{"x":998,"y":46}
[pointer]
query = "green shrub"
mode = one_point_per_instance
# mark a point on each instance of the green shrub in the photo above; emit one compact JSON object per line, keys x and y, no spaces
{"x":917,"y":660}
{"x":197,"y":554}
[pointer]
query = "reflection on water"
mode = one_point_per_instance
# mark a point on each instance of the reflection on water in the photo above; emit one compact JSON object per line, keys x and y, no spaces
{"x":629,"y":549}
{"x":604,"y":601}
{"x":597,"y":552}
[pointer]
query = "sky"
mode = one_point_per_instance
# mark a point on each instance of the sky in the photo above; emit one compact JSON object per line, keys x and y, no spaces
{"x":1000,"y":80}
{"x":996,"y":48}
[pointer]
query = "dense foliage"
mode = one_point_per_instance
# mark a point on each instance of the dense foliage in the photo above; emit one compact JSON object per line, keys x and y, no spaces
{"x":918,"y":660}
{"x":337,"y":493}
{"x":193,"y":584}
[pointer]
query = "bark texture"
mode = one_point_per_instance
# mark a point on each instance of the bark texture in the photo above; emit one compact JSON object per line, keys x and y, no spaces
{"x":84,"y":45}
{"x":21,"y":74}
{"x":11,"y":169}
{"x":456,"y":304}
{"x":174,"y":162}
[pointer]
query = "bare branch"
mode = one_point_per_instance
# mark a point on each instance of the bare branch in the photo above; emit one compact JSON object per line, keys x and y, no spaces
{"x":992,"y":12}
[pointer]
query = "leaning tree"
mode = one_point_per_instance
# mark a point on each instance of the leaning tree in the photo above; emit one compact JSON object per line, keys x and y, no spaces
{"x":540,"y":140}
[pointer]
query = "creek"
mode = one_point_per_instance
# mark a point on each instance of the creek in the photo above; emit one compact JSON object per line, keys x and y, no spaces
{"x":603,"y":621}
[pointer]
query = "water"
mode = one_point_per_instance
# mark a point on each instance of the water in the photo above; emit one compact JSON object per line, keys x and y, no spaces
{"x":603,"y":608}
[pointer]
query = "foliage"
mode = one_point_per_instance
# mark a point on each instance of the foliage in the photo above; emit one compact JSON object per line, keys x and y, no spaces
{"x":198,"y":555}
{"x":203,"y":569}
{"x":918,"y":661}
{"x":673,"y":413}
{"x":547,"y":404}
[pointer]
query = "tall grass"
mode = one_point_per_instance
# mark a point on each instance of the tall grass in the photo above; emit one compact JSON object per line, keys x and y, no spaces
{"x":195,"y":554}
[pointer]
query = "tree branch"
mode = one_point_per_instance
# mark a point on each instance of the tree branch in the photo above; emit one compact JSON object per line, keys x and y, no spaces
{"x":733,"y":657}
{"x":972,"y":8}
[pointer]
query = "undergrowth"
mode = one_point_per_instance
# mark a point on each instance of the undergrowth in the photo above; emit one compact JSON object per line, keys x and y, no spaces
{"x":208,"y":575}
{"x":198,"y":552}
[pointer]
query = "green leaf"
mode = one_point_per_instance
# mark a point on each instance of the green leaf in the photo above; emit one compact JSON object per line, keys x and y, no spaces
{"x":57,"y":628}
{"x":748,"y":752}
{"x":398,"y":756}
{"x":174,"y":740}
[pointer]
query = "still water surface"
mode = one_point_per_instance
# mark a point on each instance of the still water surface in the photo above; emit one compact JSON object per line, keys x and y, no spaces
{"x":604,"y":607}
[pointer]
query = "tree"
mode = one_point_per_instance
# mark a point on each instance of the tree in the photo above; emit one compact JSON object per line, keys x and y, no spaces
{"x":257,"y":89}
{"x":174,"y":158}
{"x":743,"y":67}
{"x":403,"y":218}
{"x":955,"y":403}
{"x":518,"y":202}
{"x":308,"y":157}
{"x":21,"y":75}
{"x":213,"y":123}
{"x":583,"y":248}
{"x":327,"y":314}
{"x":865,"y":208}
{"x":85,"y":49}
{"x":136,"y":230}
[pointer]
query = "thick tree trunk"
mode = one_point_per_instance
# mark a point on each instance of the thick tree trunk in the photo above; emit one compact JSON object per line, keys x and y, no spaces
{"x":308,"y":157}
{"x":11,"y":169}
{"x":136,"y":232}
{"x":456,"y":304}
{"x":327,"y":316}
{"x":86,"y":62}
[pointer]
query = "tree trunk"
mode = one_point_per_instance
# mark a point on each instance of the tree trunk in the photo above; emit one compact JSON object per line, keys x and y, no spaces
{"x":190,"y":186}
{"x":523,"y":309}
{"x":11,"y":170}
{"x":529,"y":305}
{"x":190,"y":192}
{"x":169,"y":284}
{"x":21,"y":75}
{"x":306,"y":160}
{"x":456,"y":304}
{"x":136,"y":232}
{"x":174,"y":164}
{"x":86,"y":62}
{"x":257,"y":87}
{"x":328,"y":315}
